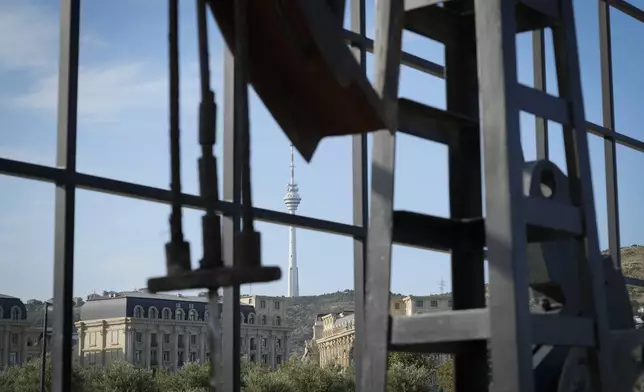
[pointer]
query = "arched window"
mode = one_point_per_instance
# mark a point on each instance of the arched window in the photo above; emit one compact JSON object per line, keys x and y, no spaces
{"x":153,"y":313}
{"x":251,"y":319}
{"x":263,"y":320}
{"x":15,"y":313}
{"x":1,"y":312}
{"x":206,"y":315}
{"x":138,"y":311}
{"x":192,"y":315}
{"x":278,"y":320}
{"x":242,"y":320}
{"x":167,"y":313}
{"x":180,"y":314}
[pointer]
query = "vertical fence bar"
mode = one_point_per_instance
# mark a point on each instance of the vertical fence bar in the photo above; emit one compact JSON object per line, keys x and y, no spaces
{"x":231,"y":225}
{"x":608,"y":120}
{"x":360,"y":201}
{"x":539,"y":74}
{"x":65,"y":196}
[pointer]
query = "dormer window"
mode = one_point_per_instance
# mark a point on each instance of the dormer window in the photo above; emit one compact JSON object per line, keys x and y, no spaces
{"x":138,"y":312}
{"x":251,"y":319}
{"x":263,"y":319}
{"x":180,"y":314}
{"x":15,"y":313}
{"x":192,"y":315}
{"x":167,"y":314}
{"x":153,"y":313}
{"x":278,"y":320}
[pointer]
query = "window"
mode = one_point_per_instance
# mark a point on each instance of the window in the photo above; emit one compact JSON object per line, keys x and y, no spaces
{"x":206,"y":316}
{"x":252,"y":344}
{"x":167,"y":313}
{"x":13,"y":358}
{"x":137,"y":356}
{"x":180,"y":314}
{"x":166,"y":356}
{"x":263,"y":342}
{"x":278,"y":343}
{"x":278,"y":360}
{"x":153,"y":356}
{"x":180,"y":337}
{"x":433,"y":304}
{"x":153,"y":313}
{"x":251,"y":319}
{"x":276,"y":305}
{"x":92,"y":338}
{"x":396,"y":306}
{"x":419,"y":304}
{"x":250,"y":301}
{"x":115,"y":337}
{"x":180,"y":358}
{"x":450,"y":303}
{"x":138,"y":312}
{"x":193,"y":356}
{"x":153,"y":340}
{"x":278,"y":320}
{"x":15,"y":313}
{"x":263,"y":320}
{"x":14,"y":338}
{"x":193,"y":339}
{"x":192,"y":315}
{"x":264,"y":358}
{"x":242,"y":320}
{"x":139,"y":337}
{"x":262,"y":304}
{"x":1,"y":312}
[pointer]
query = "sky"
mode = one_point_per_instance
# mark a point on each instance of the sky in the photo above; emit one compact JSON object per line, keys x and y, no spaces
{"x":123,"y":134}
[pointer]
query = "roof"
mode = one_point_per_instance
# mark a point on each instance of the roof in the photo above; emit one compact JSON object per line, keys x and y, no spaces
{"x":8,"y":302}
{"x":122,"y":304}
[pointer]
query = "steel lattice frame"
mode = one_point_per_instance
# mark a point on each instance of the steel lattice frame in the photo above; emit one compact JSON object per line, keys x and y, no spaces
{"x":67,"y":180}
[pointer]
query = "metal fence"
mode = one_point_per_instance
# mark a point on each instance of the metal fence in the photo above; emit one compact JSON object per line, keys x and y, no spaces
{"x":68,"y":180}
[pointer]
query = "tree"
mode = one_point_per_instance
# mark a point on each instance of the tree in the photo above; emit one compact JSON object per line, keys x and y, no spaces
{"x":445,"y":375}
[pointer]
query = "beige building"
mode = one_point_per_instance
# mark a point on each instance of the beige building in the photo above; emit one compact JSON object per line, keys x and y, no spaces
{"x":20,"y":332}
{"x":334,"y":333}
{"x":161,"y":330}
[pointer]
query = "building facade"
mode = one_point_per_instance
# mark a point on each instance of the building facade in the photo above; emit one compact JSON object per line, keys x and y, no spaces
{"x":165,"y":331}
{"x":334,"y":333}
{"x":20,"y":333}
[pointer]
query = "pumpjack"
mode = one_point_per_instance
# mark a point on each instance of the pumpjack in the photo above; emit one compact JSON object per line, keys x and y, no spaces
{"x":539,"y":229}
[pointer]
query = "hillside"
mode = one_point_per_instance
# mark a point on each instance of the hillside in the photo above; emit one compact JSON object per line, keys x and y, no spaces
{"x":303,"y":310}
{"x":633,"y":266}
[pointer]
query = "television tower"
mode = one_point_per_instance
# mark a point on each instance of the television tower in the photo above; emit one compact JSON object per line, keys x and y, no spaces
{"x":292,"y":201}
